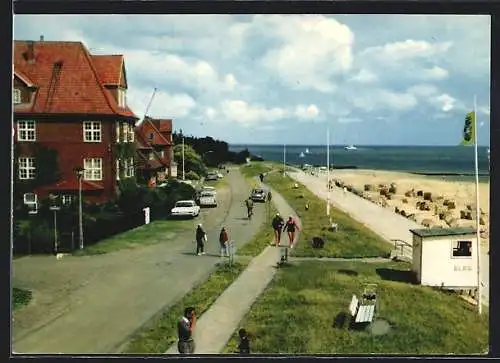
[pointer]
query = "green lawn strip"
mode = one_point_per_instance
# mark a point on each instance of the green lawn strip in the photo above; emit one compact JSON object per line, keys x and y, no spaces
{"x":352,"y":240}
{"x":153,"y":233}
{"x":263,"y":237}
{"x":20,"y":298}
{"x":161,"y":332}
{"x":296,"y":313}
{"x":255,"y":168}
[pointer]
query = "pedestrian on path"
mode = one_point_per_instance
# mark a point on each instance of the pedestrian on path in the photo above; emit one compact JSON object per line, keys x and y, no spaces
{"x":244,"y":346}
{"x":291,"y":227}
{"x":185,"y":329}
{"x":277,"y":225}
{"x":201,"y":238}
{"x":223,"y":240}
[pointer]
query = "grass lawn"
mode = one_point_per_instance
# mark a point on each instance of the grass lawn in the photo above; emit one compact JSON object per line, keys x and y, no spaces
{"x":161,"y":332}
{"x":263,"y":237}
{"x":215,"y":183}
{"x":296,"y":313}
{"x":256,"y":168}
{"x":20,"y":298}
{"x":153,"y":233}
{"x":352,"y":239}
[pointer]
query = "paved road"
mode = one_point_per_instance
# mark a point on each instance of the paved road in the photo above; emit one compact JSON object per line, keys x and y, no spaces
{"x":382,"y":221}
{"x":123,"y":290}
{"x":216,"y":326}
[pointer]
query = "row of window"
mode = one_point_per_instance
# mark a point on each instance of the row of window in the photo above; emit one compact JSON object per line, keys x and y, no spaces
{"x":122,"y":97}
{"x":92,"y":131}
{"x":92,"y":168}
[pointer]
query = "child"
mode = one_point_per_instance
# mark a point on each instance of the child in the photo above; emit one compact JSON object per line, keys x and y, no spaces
{"x":244,"y":346}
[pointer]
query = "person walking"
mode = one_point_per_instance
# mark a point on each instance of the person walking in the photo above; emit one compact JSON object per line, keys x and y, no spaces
{"x":277,"y":225}
{"x":291,"y":227}
{"x":185,"y":329}
{"x":249,"y":204}
{"x":223,"y":240}
{"x":201,"y":238}
{"x":244,"y":346}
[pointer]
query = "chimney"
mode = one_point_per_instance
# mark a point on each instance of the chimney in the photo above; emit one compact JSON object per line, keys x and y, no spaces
{"x":41,"y":38}
{"x":30,"y":53}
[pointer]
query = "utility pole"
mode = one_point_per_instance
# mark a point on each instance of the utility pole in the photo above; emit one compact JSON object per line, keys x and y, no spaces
{"x":183,"y":163}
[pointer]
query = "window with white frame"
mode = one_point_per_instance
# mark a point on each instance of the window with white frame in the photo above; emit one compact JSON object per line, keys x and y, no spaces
{"x":122,"y":98}
{"x":92,"y":131}
{"x":162,"y":153}
{"x":26,"y":130}
{"x":67,"y":199}
{"x":93,"y":168}
{"x":118,"y":129}
{"x":26,"y":167}
{"x":16,"y":96}
{"x":117,"y":169}
{"x":151,"y":156}
{"x":131,"y":135}
{"x":129,"y":167}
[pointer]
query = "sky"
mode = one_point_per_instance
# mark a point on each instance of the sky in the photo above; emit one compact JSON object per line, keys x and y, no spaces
{"x":275,"y":79}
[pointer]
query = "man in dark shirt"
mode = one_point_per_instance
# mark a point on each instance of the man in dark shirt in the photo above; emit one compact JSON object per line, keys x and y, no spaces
{"x":277,"y":224}
{"x":185,"y":329}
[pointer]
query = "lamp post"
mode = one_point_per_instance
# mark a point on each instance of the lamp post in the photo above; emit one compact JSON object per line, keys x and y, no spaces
{"x":79,"y":172}
{"x":55,"y":207}
{"x":183,"y":164}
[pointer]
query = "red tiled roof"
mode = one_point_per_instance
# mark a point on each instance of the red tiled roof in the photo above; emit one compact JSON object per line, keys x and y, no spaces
{"x":72,"y":185}
{"x":163,"y":140}
{"x":140,"y":142}
{"x":162,"y":125}
{"x":109,"y":68}
{"x":79,"y":89}
{"x":24,"y":78}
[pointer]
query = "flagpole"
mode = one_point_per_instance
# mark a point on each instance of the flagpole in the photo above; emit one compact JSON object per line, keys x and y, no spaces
{"x":328,"y":171}
{"x":478,"y":233}
{"x":284,"y":159}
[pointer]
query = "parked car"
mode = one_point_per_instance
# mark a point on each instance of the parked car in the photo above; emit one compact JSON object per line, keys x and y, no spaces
{"x":258,"y":195}
{"x":220,"y":175}
{"x":209,"y":189}
{"x":208,"y":199}
{"x":212,"y":176}
{"x":185,"y":208}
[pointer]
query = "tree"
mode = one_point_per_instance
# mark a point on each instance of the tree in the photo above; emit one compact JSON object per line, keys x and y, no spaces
{"x":192,"y":160}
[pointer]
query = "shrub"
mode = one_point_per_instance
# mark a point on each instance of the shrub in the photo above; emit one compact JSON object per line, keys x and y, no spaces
{"x":392,"y":189}
{"x":191,"y":175}
{"x":33,"y":236}
{"x":420,"y":193}
{"x":405,"y":201}
{"x":368,"y":187}
{"x":451,"y":205}
{"x":427,"y":196}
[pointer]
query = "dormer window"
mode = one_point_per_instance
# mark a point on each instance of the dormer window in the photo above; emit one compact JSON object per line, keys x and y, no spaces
{"x":16,"y":96}
{"x":122,"y":99}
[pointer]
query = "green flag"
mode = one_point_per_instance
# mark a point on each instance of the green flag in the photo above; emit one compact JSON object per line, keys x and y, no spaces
{"x":469,"y":134}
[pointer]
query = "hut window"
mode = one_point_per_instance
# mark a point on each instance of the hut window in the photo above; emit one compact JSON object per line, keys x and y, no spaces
{"x":462,"y":249}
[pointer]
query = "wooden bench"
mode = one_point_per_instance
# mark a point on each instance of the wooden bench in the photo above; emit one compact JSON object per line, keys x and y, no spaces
{"x":361,"y":313}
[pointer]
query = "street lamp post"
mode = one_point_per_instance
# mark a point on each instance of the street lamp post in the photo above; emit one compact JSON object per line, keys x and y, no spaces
{"x":79,"y":173}
{"x":183,"y":164}
{"x":54,"y":207}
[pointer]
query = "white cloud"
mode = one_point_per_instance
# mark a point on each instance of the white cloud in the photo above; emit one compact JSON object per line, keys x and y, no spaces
{"x":445,"y":102}
{"x":423,"y":90}
{"x":434,"y":73}
{"x":484,"y":110}
{"x":347,"y":120}
{"x":230,"y":81}
{"x":246,"y":114}
{"x":364,"y":76}
{"x":164,"y":105}
{"x":211,"y":113}
{"x":384,"y":99}
{"x":307,"y":112}
{"x":313,"y":49}
{"x":407,"y":50}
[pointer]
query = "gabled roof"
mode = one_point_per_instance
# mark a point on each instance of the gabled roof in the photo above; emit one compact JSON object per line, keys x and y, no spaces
{"x":24,"y":78}
{"x":78,"y":89}
{"x":72,"y":185}
{"x":140,"y":142}
{"x":109,"y":68}
{"x":163,"y":125}
{"x":162,"y":140}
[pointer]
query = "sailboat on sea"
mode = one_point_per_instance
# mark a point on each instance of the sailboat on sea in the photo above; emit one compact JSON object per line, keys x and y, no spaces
{"x":301,"y":155}
{"x":351,"y":147}
{"x":307,"y":151}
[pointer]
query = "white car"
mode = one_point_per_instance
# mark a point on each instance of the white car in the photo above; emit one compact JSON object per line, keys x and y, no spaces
{"x":208,"y":199}
{"x":220,"y":175}
{"x":185,"y":208}
{"x":209,"y":189}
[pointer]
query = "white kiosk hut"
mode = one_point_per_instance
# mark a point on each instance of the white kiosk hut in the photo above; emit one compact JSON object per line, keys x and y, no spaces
{"x":445,"y":257}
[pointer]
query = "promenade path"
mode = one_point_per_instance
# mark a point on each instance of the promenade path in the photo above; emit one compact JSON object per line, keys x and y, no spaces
{"x":93,"y":304}
{"x":216,"y":326}
{"x":382,"y":221}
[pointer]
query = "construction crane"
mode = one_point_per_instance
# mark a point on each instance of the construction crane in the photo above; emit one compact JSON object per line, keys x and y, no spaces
{"x":150,"y":102}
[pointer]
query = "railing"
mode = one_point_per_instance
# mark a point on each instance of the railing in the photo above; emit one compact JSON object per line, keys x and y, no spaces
{"x":402,"y":250}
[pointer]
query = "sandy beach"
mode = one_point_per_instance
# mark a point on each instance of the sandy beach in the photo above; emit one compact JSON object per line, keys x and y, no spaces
{"x":451,"y":203}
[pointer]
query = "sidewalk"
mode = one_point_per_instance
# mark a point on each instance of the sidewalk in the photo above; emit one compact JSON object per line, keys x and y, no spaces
{"x":218,"y":323}
{"x":382,"y":221}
